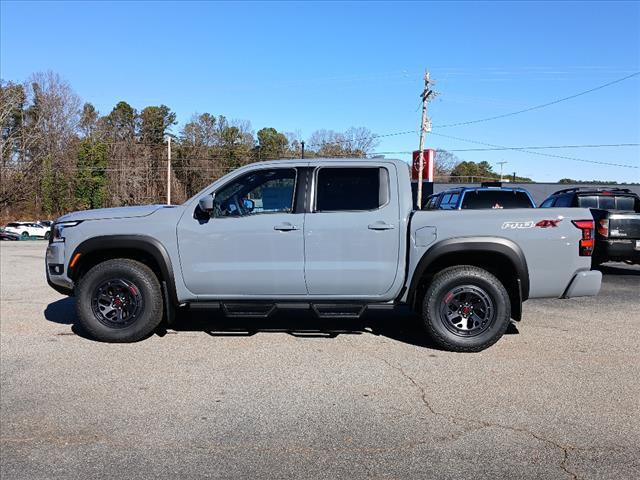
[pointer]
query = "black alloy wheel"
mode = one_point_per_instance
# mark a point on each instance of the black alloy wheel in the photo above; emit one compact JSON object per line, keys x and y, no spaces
{"x":117,"y":303}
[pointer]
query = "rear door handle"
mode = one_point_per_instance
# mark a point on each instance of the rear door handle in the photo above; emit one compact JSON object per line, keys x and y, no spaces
{"x":285,"y":227}
{"x":381,"y":226}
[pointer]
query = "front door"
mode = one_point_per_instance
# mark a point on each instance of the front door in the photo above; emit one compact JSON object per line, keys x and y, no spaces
{"x":253,"y":242}
{"x":352,"y":234}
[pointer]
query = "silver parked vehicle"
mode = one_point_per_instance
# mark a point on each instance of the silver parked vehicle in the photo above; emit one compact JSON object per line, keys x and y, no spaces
{"x":333,"y":236}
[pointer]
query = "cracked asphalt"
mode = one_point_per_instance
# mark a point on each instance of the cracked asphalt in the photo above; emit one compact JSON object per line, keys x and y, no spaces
{"x":296,"y":397}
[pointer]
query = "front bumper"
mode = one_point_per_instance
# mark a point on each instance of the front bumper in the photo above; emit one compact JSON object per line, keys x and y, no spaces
{"x":55,"y":262}
{"x":584,"y":284}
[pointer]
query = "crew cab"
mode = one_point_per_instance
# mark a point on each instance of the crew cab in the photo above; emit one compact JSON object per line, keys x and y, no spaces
{"x":333,"y":236}
{"x":616,"y":212}
{"x":490,"y":195}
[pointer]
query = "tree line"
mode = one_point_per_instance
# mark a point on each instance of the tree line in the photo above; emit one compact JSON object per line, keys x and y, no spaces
{"x":59,"y":154}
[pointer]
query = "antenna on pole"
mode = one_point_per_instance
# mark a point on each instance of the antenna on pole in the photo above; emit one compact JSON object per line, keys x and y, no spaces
{"x":427,"y":95}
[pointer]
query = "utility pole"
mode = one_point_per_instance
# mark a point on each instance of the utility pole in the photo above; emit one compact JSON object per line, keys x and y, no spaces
{"x":302,"y":143}
{"x":427,"y":95}
{"x":168,"y":170}
{"x":501,"y":164}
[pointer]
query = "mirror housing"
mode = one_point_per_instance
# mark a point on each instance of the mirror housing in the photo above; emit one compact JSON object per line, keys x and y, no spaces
{"x":206,"y":203}
{"x":249,"y":205}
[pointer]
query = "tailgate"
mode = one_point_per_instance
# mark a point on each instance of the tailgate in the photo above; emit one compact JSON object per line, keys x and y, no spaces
{"x":624,"y":225}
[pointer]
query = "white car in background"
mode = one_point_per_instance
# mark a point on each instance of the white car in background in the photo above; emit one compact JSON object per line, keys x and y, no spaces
{"x":28,"y":229}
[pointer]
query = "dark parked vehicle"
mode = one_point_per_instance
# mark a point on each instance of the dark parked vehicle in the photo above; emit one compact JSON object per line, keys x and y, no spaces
{"x":491,"y":195}
{"x":616,"y":212}
{"x":4,"y":235}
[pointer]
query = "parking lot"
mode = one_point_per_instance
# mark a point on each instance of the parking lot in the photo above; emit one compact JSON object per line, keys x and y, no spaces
{"x":298,"y":397}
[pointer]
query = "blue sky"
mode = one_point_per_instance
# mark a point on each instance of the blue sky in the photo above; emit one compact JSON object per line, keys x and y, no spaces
{"x":299,"y":67}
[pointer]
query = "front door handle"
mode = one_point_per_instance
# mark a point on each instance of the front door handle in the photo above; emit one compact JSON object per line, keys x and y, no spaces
{"x":285,"y":227}
{"x":380,"y":225}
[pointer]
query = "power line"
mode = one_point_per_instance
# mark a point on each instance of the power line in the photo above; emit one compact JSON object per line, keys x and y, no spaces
{"x":532,"y":152}
{"x":534,"y":147}
{"x":495,"y":117}
{"x":543,"y":105}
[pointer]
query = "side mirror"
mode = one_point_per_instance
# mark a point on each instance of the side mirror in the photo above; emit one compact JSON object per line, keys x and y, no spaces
{"x":206,"y":203}
{"x":249,"y":205}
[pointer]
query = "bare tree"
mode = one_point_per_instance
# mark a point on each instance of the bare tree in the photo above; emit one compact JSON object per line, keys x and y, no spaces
{"x":445,"y":162}
{"x":355,"y":142}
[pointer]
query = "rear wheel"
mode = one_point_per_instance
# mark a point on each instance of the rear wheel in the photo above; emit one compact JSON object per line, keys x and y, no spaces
{"x":25,"y":234}
{"x":46,"y":235}
{"x":119,"y":300}
{"x":466,"y":309}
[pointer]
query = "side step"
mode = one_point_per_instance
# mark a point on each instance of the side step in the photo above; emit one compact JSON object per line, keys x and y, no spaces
{"x":248,"y":310}
{"x":339,"y":310}
{"x":239,"y":309}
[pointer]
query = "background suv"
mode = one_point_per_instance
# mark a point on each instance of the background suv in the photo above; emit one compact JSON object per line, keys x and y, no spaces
{"x":616,"y":212}
{"x":489,"y":195}
{"x":28,"y":229}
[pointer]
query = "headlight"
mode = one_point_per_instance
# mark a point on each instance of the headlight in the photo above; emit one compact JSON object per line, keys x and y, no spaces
{"x":57,"y":231}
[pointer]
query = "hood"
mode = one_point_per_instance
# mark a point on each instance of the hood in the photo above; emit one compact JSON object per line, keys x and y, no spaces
{"x":109,"y":213}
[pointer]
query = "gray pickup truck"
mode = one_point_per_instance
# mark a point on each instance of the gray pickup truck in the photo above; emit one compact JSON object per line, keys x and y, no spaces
{"x":333,"y":236}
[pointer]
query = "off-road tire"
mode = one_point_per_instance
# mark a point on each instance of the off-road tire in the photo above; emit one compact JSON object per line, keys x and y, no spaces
{"x":435,"y":297}
{"x":147,"y":286}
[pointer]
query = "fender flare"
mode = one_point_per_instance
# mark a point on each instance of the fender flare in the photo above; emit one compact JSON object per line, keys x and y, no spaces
{"x":145,"y":243}
{"x":497,"y":245}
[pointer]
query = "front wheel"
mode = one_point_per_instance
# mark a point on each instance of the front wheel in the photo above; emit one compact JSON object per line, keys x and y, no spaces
{"x":25,"y":235}
{"x":119,"y":300}
{"x":466,"y":309}
{"x":46,"y":235}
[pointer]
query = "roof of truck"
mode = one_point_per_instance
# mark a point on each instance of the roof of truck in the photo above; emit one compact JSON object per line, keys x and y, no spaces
{"x":297,"y":161}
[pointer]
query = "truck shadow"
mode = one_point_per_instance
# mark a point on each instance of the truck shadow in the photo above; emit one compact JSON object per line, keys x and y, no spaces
{"x":401,"y":325}
{"x":619,"y":269}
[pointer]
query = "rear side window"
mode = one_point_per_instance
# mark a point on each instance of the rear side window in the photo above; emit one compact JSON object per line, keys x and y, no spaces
{"x":547,"y":203}
{"x":450,"y":201}
{"x":349,"y":189}
{"x":607,"y":203}
{"x":588,"y":201}
{"x":484,"y":199}
{"x":625,"y":203}
{"x":564,"y":201}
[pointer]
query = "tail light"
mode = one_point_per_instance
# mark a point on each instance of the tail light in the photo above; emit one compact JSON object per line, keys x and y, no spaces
{"x":587,"y":242}
{"x":603,"y":227}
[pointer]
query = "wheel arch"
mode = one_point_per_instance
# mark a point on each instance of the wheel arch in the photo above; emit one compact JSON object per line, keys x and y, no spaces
{"x":500,"y":256}
{"x":145,"y":249}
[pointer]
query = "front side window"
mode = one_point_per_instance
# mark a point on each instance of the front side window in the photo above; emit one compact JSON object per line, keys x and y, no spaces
{"x":431,"y":202}
{"x":261,"y":191}
{"x":351,"y":189}
{"x":547,"y":203}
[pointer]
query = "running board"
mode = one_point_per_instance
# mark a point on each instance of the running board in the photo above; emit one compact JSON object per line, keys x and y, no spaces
{"x":256,"y":309}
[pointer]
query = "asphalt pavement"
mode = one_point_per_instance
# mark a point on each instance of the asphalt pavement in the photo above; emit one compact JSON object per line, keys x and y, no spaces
{"x":298,"y":397}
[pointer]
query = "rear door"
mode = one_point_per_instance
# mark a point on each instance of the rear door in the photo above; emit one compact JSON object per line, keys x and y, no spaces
{"x":352,"y":232}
